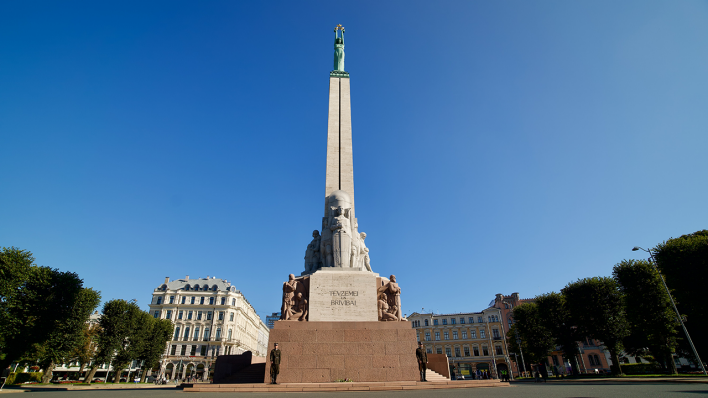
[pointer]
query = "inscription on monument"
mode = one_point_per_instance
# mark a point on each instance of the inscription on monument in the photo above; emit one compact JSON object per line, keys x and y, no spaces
{"x":343,"y":296}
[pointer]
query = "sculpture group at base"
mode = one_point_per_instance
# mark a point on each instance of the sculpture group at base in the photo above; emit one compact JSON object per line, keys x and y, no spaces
{"x":295,"y":299}
{"x":340,"y":244}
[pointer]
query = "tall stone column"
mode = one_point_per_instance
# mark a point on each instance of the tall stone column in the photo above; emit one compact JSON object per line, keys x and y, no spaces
{"x":340,"y":163}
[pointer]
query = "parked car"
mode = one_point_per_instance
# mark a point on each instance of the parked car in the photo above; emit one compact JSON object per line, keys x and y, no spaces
{"x":150,"y":379}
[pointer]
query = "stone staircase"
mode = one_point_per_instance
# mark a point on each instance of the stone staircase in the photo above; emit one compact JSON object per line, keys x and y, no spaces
{"x":433,"y":376}
{"x":249,"y":375}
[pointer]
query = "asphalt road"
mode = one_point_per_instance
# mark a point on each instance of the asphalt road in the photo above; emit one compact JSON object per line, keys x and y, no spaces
{"x":525,"y":390}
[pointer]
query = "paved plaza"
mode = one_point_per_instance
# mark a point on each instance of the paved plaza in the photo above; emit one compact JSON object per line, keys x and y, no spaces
{"x":526,"y":390}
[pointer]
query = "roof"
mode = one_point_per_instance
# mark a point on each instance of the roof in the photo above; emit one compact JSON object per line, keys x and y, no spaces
{"x":181,"y":284}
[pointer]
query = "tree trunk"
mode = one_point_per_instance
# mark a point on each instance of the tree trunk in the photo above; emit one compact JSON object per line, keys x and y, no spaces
{"x":47,"y":376}
{"x":670,"y":362}
{"x":144,"y":376}
{"x":90,"y":374}
{"x":616,"y":367}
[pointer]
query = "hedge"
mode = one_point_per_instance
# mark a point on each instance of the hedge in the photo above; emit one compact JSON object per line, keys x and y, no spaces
{"x":20,"y":378}
{"x":641,"y":368}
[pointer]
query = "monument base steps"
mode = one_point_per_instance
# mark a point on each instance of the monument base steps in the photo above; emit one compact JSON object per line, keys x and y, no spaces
{"x":334,"y":387}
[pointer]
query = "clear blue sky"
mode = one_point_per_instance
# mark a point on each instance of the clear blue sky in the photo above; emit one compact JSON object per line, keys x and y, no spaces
{"x":499,"y":147}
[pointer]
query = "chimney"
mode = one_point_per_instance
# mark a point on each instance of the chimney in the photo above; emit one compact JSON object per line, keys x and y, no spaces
{"x":167,"y":279}
{"x":186,"y":277}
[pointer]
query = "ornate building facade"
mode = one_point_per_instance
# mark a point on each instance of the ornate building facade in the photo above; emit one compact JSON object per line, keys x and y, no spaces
{"x":472,"y":341}
{"x":211,"y":318}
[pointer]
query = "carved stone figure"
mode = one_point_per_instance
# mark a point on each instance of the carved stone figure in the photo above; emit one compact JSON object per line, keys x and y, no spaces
{"x":326,"y":244}
{"x":393,"y":294}
{"x":295,"y":299}
{"x":363,"y":257}
{"x":354,"y":260}
{"x":341,"y":237}
{"x":385,"y":313}
{"x":312,"y":254}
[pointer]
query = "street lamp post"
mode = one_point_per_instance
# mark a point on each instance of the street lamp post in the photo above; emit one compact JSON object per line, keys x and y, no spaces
{"x":678,"y":314}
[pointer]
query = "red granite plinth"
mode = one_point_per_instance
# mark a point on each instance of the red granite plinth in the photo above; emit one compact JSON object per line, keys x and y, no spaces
{"x":320,"y":352}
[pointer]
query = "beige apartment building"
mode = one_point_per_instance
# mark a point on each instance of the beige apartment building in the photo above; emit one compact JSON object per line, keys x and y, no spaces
{"x":211,"y":318}
{"x":471,"y":341}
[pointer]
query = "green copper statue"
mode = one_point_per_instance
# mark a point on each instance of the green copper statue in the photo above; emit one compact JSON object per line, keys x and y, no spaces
{"x":339,"y":49}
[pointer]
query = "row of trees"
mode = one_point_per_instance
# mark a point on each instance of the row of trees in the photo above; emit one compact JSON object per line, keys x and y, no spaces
{"x":45,"y":313}
{"x":629,"y":311}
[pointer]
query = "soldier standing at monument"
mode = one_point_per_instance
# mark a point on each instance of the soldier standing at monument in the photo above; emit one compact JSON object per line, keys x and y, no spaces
{"x":422,"y":358}
{"x":274,"y":364}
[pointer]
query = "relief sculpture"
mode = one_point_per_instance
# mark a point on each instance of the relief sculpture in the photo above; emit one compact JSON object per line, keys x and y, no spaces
{"x":295,"y":299}
{"x":389,"y":300}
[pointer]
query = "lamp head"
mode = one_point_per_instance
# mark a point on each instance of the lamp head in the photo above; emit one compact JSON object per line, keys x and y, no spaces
{"x":635,"y":249}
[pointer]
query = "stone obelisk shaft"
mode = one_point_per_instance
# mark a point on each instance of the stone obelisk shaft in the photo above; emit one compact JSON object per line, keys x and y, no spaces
{"x":340,"y":165}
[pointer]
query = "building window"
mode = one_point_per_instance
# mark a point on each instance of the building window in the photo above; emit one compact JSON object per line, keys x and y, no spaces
{"x":481,"y":334}
{"x":176,"y":333}
{"x":452,"y":321}
{"x":429,"y":351}
{"x":208,"y":316}
{"x":495,"y":333}
{"x":448,"y":352}
{"x":485,"y":350}
{"x":203,"y":350}
{"x":476,"y":351}
{"x":457,"y":352}
{"x":179,"y":315}
{"x":427,"y":336}
{"x":597,"y":361}
{"x":467,"y":351}
{"x":196,"y":333}
{"x":446,"y":335}
{"x":189,"y":314}
{"x":192,"y":300}
{"x":169,"y":314}
{"x":183,"y":351}
{"x":499,"y":350}
{"x":464,"y":334}
{"x":159,"y":300}
{"x":462,"y":320}
{"x":156,"y":314}
{"x":592,"y":361}
{"x":186,"y":333}
{"x":233,"y":301}
{"x":231,"y":317}
{"x":426,"y":322}
{"x":437,"y":336}
{"x":439,"y":350}
{"x":454,"y":334}
{"x":193,"y":350}
{"x":435,"y":322}
{"x":471,"y":319}
{"x":555,"y":360}
{"x":480,"y":319}
{"x":172,"y":299}
{"x":473,"y":334}
{"x":444,"y":321}
{"x":173,"y":350}
{"x":201,"y":300}
{"x":206,"y":333}
{"x":228,"y":336}
{"x":223,"y":301}
{"x":221,"y":315}
{"x":218,"y":334}
{"x":184,"y":299}
{"x":211,"y":300}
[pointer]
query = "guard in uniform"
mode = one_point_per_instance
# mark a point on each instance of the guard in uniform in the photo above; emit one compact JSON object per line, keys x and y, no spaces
{"x":422,"y":358}
{"x":274,"y":364}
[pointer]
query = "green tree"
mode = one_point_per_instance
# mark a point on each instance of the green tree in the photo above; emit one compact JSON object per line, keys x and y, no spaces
{"x":41,"y":309}
{"x":158,"y":334}
{"x":118,"y":320}
{"x":555,"y":317}
{"x":596,"y":308}
{"x":683,"y":262}
{"x":652,"y":320}
{"x":537,"y":341}
{"x":83,"y":354}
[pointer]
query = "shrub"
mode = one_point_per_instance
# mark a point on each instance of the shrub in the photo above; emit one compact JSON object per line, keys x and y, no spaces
{"x":641,"y":368}
{"x":20,"y":378}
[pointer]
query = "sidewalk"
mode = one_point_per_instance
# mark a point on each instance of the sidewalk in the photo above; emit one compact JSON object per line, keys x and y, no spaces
{"x":71,"y":387}
{"x":668,"y":379}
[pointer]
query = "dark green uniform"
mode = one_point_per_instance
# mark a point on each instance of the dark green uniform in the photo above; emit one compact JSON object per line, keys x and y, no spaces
{"x":422,"y":358}
{"x":274,"y":364}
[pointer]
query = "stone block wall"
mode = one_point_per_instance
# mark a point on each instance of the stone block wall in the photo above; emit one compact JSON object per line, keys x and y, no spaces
{"x":316,"y":352}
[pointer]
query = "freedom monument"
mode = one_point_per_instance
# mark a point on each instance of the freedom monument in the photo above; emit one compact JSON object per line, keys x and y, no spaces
{"x":341,"y":320}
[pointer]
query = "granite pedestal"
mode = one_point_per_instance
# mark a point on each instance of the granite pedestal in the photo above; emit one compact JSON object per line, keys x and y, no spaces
{"x":315,"y":352}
